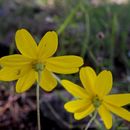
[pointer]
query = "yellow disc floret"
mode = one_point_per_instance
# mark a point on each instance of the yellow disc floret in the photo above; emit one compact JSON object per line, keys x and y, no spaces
{"x":38,"y":67}
{"x":96,"y":101}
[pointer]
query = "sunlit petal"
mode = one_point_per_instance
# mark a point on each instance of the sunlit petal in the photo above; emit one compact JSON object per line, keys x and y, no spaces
{"x":64,"y":64}
{"x":48,"y":82}
{"x":87,"y":77}
{"x":103,"y":83}
{"x":48,"y":45}
{"x":76,"y":105}
{"x":57,"y":69}
{"x":15,"y":60}
{"x":85,"y":113}
{"x":106,"y":116}
{"x":26,"y":44}
{"x":66,"y":61}
{"x":74,"y":89}
{"x":118,"y":99}
{"x":9,"y":74}
{"x":121,"y":112}
{"x":25,"y":82}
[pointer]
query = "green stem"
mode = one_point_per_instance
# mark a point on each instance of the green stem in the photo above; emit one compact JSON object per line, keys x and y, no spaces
{"x":113,"y":35}
{"x":87,"y":30}
{"x":56,"y":115}
{"x":91,"y":120}
{"x":68,"y":19}
{"x":99,"y":126}
{"x":38,"y":102}
{"x":57,"y":78}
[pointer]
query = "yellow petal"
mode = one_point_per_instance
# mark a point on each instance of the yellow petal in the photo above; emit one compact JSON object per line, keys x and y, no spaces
{"x":87,"y":77}
{"x":76,"y":105}
{"x":74,"y":89}
{"x":103,"y":83}
{"x":24,"y":69}
{"x":64,"y":64}
{"x":48,"y":82}
{"x":60,"y":70}
{"x":48,"y":45}
{"x":121,"y":112}
{"x":83,"y":114}
{"x":66,"y":61}
{"x":15,"y":60}
{"x":26,"y":44}
{"x":25,"y":82}
{"x":118,"y":99}
{"x":106,"y":116}
{"x":9,"y":74}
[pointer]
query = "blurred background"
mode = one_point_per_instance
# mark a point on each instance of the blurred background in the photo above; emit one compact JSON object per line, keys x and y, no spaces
{"x":97,"y":30}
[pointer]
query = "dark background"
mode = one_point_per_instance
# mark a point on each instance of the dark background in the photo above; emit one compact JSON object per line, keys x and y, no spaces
{"x":99,"y":31}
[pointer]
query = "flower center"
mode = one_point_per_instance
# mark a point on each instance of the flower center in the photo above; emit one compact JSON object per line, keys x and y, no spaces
{"x":96,"y":101}
{"x":38,"y":67}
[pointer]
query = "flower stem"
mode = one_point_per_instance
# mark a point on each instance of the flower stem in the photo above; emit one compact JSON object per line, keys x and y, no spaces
{"x":69,"y":18}
{"x":38,"y":102}
{"x":91,"y":120}
{"x":57,"y":78}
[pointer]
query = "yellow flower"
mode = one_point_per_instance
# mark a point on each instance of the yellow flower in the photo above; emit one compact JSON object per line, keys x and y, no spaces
{"x":37,"y":58}
{"x":94,"y":97}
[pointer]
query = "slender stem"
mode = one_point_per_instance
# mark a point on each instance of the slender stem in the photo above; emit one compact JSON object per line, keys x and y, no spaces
{"x":64,"y":123}
{"x":91,"y":120}
{"x":87,"y":29}
{"x":57,"y":78}
{"x":69,"y":18}
{"x":112,"y":40}
{"x":100,"y":127}
{"x":38,"y":102}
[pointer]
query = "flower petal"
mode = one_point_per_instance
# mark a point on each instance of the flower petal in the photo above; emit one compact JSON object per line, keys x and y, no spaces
{"x":9,"y":74}
{"x":103,"y":83}
{"x":64,"y":64}
{"x":25,"y":43}
{"x":74,"y":89}
{"x":48,"y":45}
{"x":14,"y":60}
{"x":83,"y":114}
{"x":76,"y":105}
{"x":123,"y":113}
{"x":48,"y":82}
{"x":87,"y":77}
{"x":57,"y":69}
{"x":118,"y":99}
{"x":106,"y":116}
{"x":26,"y":81}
